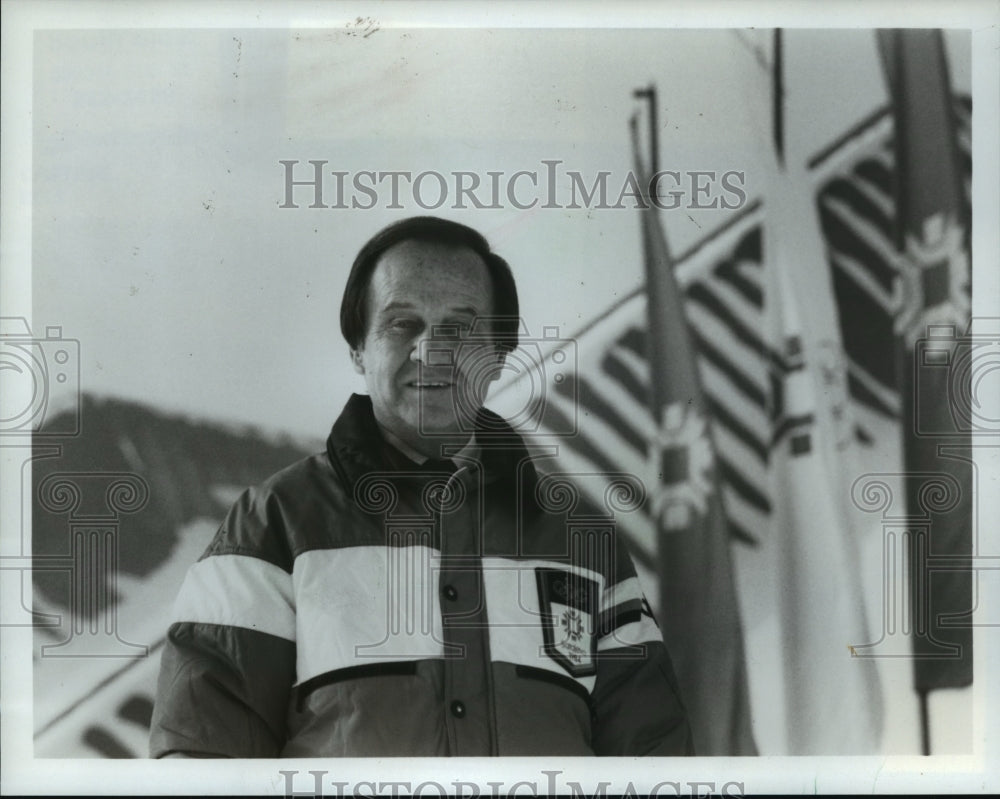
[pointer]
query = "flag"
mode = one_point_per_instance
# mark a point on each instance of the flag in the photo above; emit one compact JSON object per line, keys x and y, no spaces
{"x":857,"y":208}
{"x":833,"y":701}
{"x":931,"y":326}
{"x":699,"y":613}
{"x":827,"y":700}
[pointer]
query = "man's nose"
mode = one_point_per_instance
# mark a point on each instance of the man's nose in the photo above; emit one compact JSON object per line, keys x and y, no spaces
{"x":435,"y":346}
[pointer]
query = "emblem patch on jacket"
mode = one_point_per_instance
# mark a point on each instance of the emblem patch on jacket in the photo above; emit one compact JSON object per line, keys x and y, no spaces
{"x":569,"y":608}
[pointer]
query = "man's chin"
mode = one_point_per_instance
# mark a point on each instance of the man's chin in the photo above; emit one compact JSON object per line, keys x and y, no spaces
{"x":441,"y":428}
{"x":440,"y":422}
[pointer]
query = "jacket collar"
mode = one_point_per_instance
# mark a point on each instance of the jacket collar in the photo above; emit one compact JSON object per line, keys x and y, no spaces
{"x":357,"y":447}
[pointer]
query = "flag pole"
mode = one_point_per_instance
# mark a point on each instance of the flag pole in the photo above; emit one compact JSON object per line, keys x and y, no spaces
{"x":779,"y":98}
{"x":925,"y":726}
{"x":649,"y":95}
{"x":658,"y":393}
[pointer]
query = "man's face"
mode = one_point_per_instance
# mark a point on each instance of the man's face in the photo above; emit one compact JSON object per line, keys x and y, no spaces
{"x":419,"y":381}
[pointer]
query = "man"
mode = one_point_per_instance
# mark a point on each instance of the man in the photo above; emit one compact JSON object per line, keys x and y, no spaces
{"x":413,"y":590}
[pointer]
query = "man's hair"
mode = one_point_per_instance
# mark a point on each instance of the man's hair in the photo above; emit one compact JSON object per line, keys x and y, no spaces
{"x":354,"y":305}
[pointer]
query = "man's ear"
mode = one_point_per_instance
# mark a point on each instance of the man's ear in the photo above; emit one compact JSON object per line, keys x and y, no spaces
{"x":358,"y":360}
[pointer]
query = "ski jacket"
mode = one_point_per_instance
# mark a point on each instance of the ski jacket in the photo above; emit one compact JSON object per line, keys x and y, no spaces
{"x":358,"y":604}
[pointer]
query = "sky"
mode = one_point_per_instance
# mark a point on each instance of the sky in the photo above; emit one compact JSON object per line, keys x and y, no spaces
{"x":158,"y":239}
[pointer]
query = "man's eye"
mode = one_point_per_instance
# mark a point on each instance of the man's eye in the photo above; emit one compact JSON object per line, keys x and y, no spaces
{"x":402,"y":324}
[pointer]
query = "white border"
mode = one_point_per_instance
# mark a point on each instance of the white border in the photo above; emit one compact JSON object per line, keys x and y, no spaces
{"x":21,"y":774}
